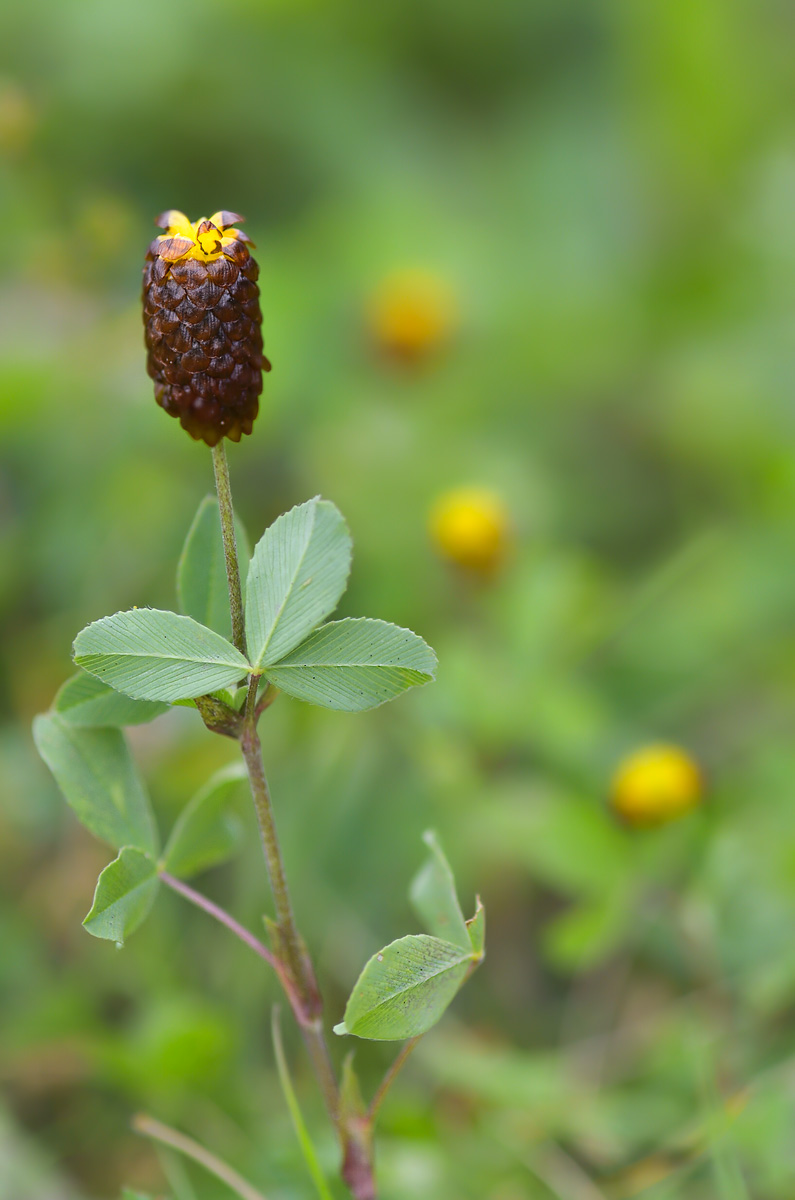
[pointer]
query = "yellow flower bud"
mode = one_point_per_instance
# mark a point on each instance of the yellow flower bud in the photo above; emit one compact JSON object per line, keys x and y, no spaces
{"x":412,"y":313}
{"x":656,"y":784}
{"x":469,"y":526}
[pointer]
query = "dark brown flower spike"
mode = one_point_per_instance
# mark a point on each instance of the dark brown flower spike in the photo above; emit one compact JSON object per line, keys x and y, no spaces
{"x":202,"y":325}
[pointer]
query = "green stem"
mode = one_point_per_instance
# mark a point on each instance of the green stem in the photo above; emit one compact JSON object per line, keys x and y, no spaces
{"x":149,"y":1127}
{"x":252,"y":754}
{"x":224,"y":490}
{"x":290,"y":949}
{"x":301,"y":1132}
{"x":291,"y":946}
{"x":389,"y":1078}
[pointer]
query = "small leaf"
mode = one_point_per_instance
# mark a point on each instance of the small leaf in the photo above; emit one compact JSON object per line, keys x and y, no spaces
{"x":157,"y":655}
{"x":86,"y":701}
{"x":97,"y":775}
{"x":126,"y":890}
{"x":297,"y":574}
{"x":476,"y":928}
{"x":353,"y":1116}
{"x":208,"y":829}
{"x":202,"y":588}
{"x":352,"y":1105}
{"x":354,"y":664}
{"x":433,"y":896}
{"x":404,"y":989}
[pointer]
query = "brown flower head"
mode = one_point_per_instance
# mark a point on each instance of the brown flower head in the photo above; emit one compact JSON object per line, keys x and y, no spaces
{"x":202,"y":325}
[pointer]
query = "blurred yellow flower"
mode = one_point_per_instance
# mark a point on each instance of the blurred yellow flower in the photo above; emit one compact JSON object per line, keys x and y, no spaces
{"x":655,"y":784}
{"x":469,"y":526}
{"x":411,"y":313}
{"x":17,"y":117}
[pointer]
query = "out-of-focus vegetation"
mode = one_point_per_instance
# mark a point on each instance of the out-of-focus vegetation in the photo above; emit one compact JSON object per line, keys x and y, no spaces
{"x":592,"y":207}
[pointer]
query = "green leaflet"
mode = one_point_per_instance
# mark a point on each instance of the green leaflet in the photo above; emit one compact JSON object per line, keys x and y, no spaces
{"x":297,"y":574}
{"x":125,"y":892}
{"x":354,"y":664}
{"x":202,"y":588}
{"x":156,"y":655}
{"x":86,"y":701}
{"x":433,"y":896}
{"x":97,"y":775}
{"x":404,"y":989}
{"x":209,"y":828}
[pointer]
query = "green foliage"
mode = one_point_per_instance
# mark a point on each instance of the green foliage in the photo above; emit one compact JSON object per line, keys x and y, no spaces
{"x":86,"y":701}
{"x":433,"y":895}
{"x":96,"y":773}
{"x":619,"y":372}
{"x":155,"y":655}
{"x":209,"y":829}
{"x":202,"y":588}
{"x":404,"y":988}
{"x":354,"y":664}
{"x":298,"y":572}
{"x":125,"y":893}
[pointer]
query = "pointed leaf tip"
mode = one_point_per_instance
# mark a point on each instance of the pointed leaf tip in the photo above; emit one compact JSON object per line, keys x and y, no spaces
{"x":434,"y":898}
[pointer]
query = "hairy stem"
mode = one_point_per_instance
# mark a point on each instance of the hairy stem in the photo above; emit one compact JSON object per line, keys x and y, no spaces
{"x":149,"y":1127}
{"x":297,"y":974}
{"x":251,"y":748}
{"x":291,"y":946}
{"x":224,"y":490}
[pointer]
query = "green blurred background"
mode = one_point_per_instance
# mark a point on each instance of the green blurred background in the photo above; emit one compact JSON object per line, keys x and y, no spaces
{"x":607,"y":190}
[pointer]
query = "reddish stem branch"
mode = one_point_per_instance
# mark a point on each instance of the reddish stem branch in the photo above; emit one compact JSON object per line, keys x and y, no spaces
{"x":245,"y":936}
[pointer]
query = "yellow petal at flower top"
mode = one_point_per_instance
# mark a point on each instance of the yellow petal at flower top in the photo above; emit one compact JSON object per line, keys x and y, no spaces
{"x":202,"y":325}
{"x":205,"y":239}
{"x":655,"y":784}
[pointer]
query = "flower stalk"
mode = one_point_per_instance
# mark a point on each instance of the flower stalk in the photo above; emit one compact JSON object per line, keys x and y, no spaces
{"x":290,"y":948}
{"x":223,"y":488}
